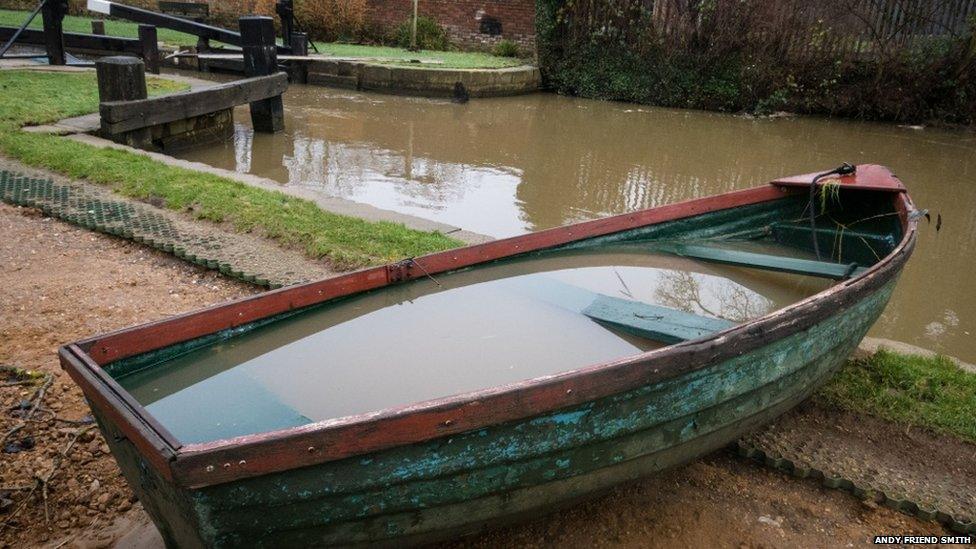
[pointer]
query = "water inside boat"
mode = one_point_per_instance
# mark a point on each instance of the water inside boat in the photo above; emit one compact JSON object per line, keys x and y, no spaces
{"x":465,"y":331}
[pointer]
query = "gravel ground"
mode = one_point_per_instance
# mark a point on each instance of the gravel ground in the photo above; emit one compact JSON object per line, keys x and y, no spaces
{"x":59,"y":283}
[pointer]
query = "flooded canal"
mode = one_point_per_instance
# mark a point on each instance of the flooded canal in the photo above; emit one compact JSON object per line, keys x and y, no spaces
{"x":512,"y":165}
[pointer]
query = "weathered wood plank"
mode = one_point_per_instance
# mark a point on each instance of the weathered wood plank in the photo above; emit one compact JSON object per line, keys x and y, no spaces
{"x":823,"y":269}
{"x":120,"y":116}
{"x":201,"y":30}
{"x":652,"y":321}
{"x":76,"y":41}
{"x":845,"y":246}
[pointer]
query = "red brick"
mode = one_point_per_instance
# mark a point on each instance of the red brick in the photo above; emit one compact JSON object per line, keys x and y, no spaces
{"x":462,"y":19}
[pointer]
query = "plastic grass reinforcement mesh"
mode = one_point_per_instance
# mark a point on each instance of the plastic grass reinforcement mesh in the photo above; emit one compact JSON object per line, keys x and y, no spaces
{"x":815,"y":456}
{"x":88,"y":206}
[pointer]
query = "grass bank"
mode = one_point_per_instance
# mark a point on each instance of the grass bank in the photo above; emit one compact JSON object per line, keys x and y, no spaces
{"x":39,"y":97}
{"x":448,"y":59}
{"x":927,"y":392}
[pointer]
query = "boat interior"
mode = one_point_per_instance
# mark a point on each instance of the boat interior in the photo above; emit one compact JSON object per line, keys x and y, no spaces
{"x":533,"y":315}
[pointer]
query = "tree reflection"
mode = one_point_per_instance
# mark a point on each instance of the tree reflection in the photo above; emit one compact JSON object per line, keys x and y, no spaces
{"x":711,"y":296}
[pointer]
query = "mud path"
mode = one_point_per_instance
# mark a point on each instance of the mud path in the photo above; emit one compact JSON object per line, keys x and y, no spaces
{"x":59,"y":283}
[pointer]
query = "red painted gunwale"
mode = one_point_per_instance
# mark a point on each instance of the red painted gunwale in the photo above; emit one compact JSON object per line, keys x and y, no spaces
{"x":199,"y":465}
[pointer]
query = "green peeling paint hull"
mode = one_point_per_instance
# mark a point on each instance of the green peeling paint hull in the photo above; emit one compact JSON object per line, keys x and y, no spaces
{"x":458,"y":485}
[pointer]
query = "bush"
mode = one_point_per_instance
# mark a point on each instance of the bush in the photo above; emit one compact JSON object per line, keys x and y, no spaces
{"x":225,"y":13}
{"x":430,"y":35}
{"x":506,"y":48}
{"x":708,"y":59}
{"x":332,"y":20}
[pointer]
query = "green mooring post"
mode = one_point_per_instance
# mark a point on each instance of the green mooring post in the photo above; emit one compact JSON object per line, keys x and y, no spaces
{"x":261,"y":59}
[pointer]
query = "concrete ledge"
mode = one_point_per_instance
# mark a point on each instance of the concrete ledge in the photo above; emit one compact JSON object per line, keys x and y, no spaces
{"x":379,"y":75}
{"x":870,"y":345}
{"x":333,"y":81}
{"x":423,"y":80}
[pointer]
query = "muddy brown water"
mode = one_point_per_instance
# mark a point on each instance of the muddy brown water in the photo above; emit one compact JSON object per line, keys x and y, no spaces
{"x":508,"y":166}
{"x":462,"y":332}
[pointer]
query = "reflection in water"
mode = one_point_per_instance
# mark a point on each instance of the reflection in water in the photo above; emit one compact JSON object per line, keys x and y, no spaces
{"x":683,"y":290}
{"x":243,"y":138}
{"x":510,"y":165}
{"x":449,"y":192}
{"x":504,"y":323}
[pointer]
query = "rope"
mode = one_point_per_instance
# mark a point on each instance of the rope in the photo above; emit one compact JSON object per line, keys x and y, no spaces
{"x":843,"y":169}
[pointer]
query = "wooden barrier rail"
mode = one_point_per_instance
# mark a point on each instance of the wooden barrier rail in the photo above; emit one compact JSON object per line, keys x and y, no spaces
{"x":202,"y":31}
{"x":146,"y":47}
{"x":123,"y":116}
{"x":77,"y":41}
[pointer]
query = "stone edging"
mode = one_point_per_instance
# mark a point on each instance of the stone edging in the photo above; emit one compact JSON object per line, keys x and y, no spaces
{"x":423,"y":80}
{"x":871,"y":345}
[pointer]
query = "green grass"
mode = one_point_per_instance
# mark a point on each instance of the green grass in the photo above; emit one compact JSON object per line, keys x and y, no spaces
{"x":39,"y":97}
{"x":29,"y":98}
{"x":928,"y":392}
{"x":11,"y":18}
{"x":450,"y":59}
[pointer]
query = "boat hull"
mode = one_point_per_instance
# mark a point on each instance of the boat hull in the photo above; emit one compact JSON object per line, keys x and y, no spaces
{"x":458,"y":484}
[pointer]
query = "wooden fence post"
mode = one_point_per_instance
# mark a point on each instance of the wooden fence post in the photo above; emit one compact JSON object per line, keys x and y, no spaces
{"x":120,"y":78}
{"x":297,"y":71}
{"x":299,"y":43}
{"x":123,"y":78}
{"x":150,"y":47}
{"x":98,"y":27}
{"x":52,"y":13}
{"x":261,"y":59}
{"x":286,"y":13}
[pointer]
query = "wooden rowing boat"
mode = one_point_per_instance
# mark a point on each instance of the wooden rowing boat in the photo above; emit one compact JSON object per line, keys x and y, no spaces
{"x":454,"y":463}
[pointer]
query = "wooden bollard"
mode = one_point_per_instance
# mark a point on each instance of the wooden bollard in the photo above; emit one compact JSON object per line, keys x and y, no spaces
{"x":123,"y":78}
{"x":299,"y":43}
{"x":98,"y":27}
{"x":120,"y":78}
{"x":261,"y":59}
{"x":52,"y":14}
{"x":150,"y":47}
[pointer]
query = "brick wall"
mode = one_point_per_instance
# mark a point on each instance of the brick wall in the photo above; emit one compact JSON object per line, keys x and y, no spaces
{"x":471,"y":24}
